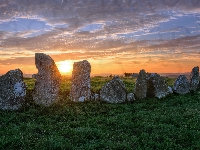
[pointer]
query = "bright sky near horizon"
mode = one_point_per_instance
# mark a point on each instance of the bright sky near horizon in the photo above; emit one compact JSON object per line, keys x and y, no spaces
{"x":115,"y":36}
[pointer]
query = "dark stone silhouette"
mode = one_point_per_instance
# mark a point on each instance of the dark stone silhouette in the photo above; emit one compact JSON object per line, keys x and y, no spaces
{"x":194,"y":79}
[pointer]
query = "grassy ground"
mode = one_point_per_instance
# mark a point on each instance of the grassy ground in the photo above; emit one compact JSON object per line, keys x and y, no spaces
{"x":96,"y":83}
{"x":169,"y":123}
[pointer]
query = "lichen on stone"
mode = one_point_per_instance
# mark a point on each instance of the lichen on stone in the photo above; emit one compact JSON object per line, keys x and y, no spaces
{"x":48,"y":80}
{"x":140,"y":90}
{"x":194,"y":79}
{"x":181,"y":85}
{"x":114,"y":91}
{"x":156,"y":86}
{"x":12,"y":90}
{"x":80,"y":87}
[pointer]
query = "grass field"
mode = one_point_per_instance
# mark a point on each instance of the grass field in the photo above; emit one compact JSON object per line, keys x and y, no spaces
{"x":169,"y":123}
{"x":96,"y":83}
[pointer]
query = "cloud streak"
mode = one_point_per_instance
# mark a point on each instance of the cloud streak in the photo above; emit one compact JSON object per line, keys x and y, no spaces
{"x":88,"y":29}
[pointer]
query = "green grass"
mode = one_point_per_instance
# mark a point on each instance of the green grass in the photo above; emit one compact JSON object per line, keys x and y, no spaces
{"x":170,"y":81}
{"x":169,"y":123}
{"x":96,"y":83}
{"x":30,"y":82}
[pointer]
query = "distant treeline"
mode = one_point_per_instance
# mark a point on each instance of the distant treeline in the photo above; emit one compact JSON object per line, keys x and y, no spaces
{"x":131,"y":74}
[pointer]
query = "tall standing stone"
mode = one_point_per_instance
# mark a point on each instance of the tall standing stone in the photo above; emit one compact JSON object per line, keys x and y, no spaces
{"x":80,"y":87}
{"x":181,"y":85}
{"x":194,"y":79}
{"x":12,"y":90}
{"x":141,"y":85}
{"x":156,"y":86}
{"x":114,"y":91}
{"x":48,"y":80}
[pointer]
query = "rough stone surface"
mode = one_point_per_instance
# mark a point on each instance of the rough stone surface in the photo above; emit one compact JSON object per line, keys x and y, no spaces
{"x":12,"y":90}
{"x":114,"y":91}
{"x":96,"y":97}
{"x":198,"y":88}
{"x":141,"y":85}
{"x":194,"y":79}
{"x":130,"y":97}
{"x":156,"y":86}
{"x":48,"y":80}
{"x":170,"y":90}
{"x":80,"y":88}
{"x":181,"y":85}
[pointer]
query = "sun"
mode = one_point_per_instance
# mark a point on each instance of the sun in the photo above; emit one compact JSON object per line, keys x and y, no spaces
{"x":65,"y":67}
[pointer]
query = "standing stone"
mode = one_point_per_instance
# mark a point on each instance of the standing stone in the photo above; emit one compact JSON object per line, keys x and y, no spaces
{"x":194,"y":79}
{"x":170,"y":90}
{"x":130,"y":97}
{"x":156,"y":86}
{"x":12,"y":90}
{"x":198,"y":88}
{"x":114,"y":91}
{"x":141,"y":85}
{"x":48,"y":80}
{"x":181,"y":85}
{"x":80,"y":88}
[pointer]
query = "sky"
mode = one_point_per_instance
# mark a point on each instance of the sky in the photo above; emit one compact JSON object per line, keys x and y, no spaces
{"x":115,"y":36}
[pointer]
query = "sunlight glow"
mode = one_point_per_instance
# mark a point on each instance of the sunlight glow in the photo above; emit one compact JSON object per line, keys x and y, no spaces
{"x":65,"y":67}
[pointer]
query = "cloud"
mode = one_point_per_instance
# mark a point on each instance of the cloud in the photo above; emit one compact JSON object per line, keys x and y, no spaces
{"x":127,"y":28}
{"x":18,"y":61}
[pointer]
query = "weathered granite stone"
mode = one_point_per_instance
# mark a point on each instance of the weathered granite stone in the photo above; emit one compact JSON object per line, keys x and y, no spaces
{"x":181,"y":85}
{"x":130,"y":97}
{"x":141,"y":85}
{"x":48,"y":80}
{"x":194,"y":79}
{"x":80,"y":88}
{"x":114,"y":91}
{"x":198,"y":88}
{"x":12,"y":90}
{"x":156,"y":86}
{"x":170,"y":90}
